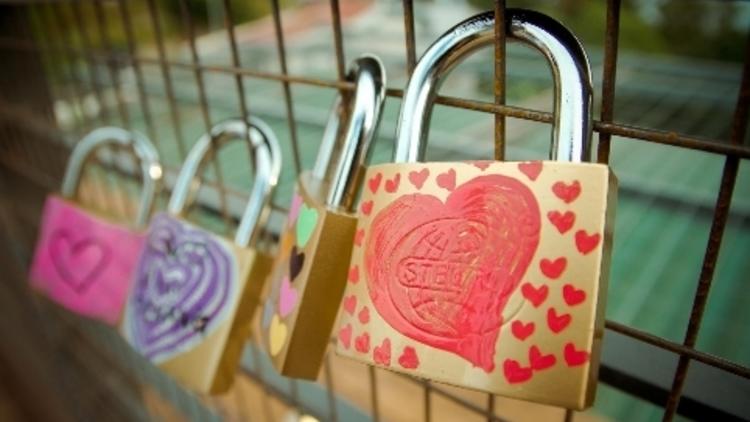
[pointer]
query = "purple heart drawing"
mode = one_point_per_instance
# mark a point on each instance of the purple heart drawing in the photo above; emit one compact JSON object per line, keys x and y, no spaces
{"x":287,"y":298}
{"x":78,"y":262}
{"x":184,"y":289}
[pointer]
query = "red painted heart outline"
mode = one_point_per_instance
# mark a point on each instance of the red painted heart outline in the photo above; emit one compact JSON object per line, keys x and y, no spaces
{"x":415,"y":221}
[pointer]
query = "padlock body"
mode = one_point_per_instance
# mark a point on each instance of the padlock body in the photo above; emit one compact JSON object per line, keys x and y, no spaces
{"x":192,"y":302}
{"x":486,"y":275}
{"x":84,"y":262}
{"x":306,"y":285}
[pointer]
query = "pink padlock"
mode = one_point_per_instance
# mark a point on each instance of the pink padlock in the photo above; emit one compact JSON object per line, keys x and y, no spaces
{"x":83,"y":261}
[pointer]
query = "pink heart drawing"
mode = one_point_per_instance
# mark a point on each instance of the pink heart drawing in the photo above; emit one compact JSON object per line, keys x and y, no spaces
{"x":287,"y":298}
{"x":79,"y":263}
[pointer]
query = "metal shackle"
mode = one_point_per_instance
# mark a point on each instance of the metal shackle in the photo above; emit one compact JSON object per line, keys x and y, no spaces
{"x":142,"y":147}
{"x":571,"y":136}
{"x":340,"y":158}
{"x":267,"y":156}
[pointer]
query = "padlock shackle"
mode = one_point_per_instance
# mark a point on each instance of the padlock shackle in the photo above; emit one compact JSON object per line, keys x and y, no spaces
{"x":142,"y":147}
{"x":266,"y":154}
{"x":352,"y":150}
{"x":567,"y":58}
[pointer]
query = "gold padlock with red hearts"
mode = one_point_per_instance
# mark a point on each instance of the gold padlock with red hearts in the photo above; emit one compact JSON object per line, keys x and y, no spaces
{"x":487,"y":275}
{"x":310,"y":271}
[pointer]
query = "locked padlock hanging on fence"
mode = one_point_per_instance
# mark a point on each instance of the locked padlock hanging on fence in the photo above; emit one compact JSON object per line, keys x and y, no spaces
{"x":487,"y":275}
{"x":311,"y":269}
{"x":195,"y":292}
{"x":82,"y":260}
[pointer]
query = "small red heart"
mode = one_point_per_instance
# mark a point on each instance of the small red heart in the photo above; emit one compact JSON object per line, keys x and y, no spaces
{"x":482,"y":165}
{"x":563,"y":222}
{"x":514,"y":372}
{"x":345,"y":336}
{"x":350,"y":304}
{"x":359,"y":237}
{"x":522,"y":331}
{"x":367,"y":207}
{"x":557,"y":322}
{"x":382,"y":353}
{"x":447,"y":180}
{"x":417,"y":178}
{"x":409,"y":358}
{"x":353,"y":274}
{"x":572,"y":295}
{"x":568,"y":193}
{"x":364,"y":315}
{"x":535,"y":295}
{"x":392,"y":185}
{"x":538,"y":361}
{"x":362,"y":343}
{"x":575,"y":357}
{"x":585,"y":242}
{"x":531,"y":169}
{"x":553,"y":269}
{"x":374,"y":182}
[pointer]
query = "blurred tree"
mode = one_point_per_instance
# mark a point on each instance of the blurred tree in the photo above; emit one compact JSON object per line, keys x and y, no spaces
{"x":202,"y":11}
{"x":690,"y":28}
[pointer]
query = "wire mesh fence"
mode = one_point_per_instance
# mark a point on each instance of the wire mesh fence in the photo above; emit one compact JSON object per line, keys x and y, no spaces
{"x":72,"y":66}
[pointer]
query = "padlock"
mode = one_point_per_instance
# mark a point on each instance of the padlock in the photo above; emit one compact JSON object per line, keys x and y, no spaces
{"x":195,"y":292}
{"x":310,"y":272}
{"x":487,"y":275}
{"x":84,"y":261}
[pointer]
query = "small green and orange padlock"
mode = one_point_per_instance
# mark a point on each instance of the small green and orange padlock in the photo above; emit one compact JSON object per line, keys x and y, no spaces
{"x":311,"y":269}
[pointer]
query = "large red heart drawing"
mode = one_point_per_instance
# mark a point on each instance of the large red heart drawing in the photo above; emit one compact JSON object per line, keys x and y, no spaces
{"x":442,"y":273}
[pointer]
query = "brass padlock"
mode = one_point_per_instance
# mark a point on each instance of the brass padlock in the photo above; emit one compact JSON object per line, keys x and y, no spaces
{"x":487,"y":275}
{"x":311,"y":269}
{"x":195,"y":292}
{"x":85,"y":261}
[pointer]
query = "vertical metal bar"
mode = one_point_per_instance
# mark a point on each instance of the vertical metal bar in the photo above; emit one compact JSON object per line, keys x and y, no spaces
{"x":411,"y":50}
{"x":132,"y":51}
{"x":188,"y":24}
{"x":374,"y":393}
{"x":611,"y":38}
{"x":88,"y":53}
{"x":114,"y":153}
{"x":281,"y":47}
{"x":331,"y":392}
{"x":67,"y":60}
{"x":338,"y":40}
{"x":721,"y":214}
{"x":499,"y":81}
{"x":167,"y":78}
{"x":491,"y":407}
{"x":244,"y":110}
{"x":101,"y":23}
{"x":54,"y":60}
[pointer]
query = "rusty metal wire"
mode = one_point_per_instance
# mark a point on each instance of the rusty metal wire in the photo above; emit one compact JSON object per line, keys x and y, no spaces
{"x":60,"y":46}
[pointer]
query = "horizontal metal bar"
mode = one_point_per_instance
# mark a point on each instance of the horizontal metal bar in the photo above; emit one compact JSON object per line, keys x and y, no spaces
{"x":716,"y":146}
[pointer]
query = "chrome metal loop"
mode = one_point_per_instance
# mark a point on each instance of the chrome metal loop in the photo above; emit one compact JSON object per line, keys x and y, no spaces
{"x":571,"y":136}
{"x":142,"y":147}
{"x":340,"y":159}
{"x":267,"y":156}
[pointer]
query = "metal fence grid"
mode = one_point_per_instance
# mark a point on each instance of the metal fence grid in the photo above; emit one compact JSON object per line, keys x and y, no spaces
{"x":65,"y":38}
